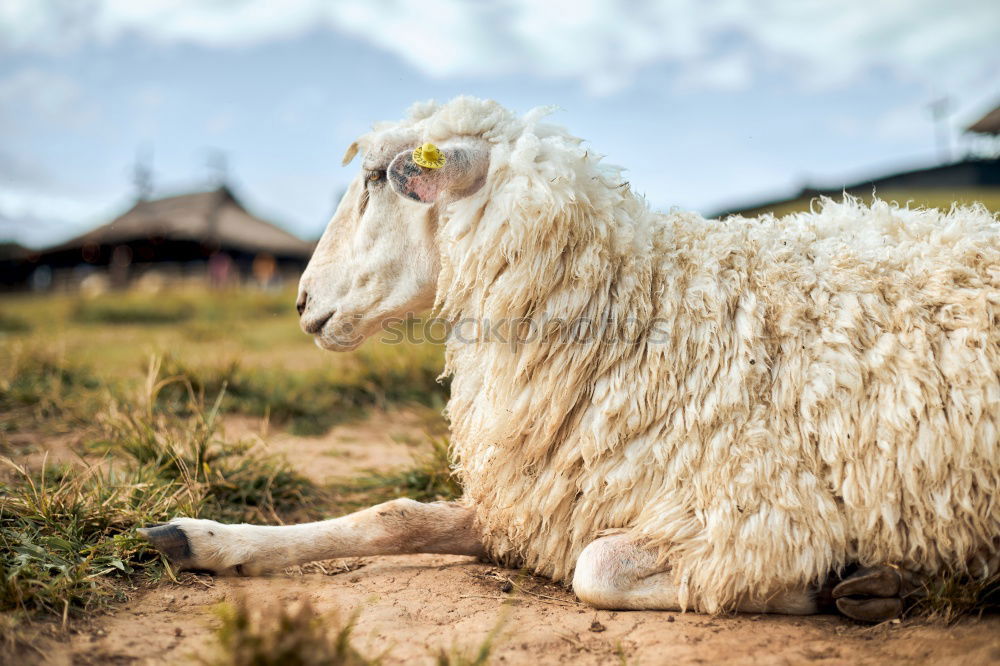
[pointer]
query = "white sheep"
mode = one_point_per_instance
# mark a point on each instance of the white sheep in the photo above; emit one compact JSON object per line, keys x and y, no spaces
{"x":681,"y":413}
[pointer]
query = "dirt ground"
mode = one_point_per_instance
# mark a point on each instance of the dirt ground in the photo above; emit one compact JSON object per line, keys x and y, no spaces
{"x":410,"y":607}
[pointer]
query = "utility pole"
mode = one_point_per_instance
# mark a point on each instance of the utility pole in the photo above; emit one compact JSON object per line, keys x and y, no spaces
{"x":218,"y":167}
{"x":142,"y":173}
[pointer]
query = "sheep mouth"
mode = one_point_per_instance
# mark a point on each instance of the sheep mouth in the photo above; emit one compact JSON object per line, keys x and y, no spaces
{"x":336,"y":346}
{"x":340,"y":333}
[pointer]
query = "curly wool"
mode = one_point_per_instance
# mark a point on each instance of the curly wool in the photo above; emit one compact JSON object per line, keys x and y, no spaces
{"x":771,"y":399}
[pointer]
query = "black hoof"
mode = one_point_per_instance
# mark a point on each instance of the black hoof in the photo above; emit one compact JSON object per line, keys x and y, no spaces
{"x":875,"y":594}
{"x":870,"y":610}
{"x":169,"y":540}
{"x":880,"y":581}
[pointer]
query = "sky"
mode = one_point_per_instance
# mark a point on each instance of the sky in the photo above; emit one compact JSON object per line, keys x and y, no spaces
{"x":706,"y":103}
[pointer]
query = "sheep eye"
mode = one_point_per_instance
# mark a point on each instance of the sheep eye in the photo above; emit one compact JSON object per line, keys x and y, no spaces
{"x":376,"y":176}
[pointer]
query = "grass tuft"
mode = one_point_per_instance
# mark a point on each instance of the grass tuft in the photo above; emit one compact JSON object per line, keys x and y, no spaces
{"x":67,"y":535}
{"x":292,"y":636}
{"x":950,"y":597}
{"x":238,"y":480}
{"x":480,"y":656}
{"x":296,"y":635}
{"x":429,"y":479}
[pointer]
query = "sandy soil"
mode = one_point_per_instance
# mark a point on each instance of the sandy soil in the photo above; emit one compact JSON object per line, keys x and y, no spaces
{"x":32,"y":450}
{"x":383,"y":441}
{"x":411,"y":607}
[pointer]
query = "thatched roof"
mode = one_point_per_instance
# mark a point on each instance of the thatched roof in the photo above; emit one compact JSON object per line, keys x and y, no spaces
{"x":214,"y":217}
{"x":988,"y":124}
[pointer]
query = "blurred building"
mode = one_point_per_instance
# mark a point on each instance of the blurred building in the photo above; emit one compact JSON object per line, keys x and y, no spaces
{"x":967,"y":180}
{"x":205,"y":236}
{"x":14,"y":265}
{"x":974,"y":179}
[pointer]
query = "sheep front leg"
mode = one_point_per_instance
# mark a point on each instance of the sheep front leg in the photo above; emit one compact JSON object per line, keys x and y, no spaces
{"x":612,"y":573}
{"x":397,"y":527}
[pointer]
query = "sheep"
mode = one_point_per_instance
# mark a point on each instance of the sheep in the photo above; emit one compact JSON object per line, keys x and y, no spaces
{"x":682,"y":413}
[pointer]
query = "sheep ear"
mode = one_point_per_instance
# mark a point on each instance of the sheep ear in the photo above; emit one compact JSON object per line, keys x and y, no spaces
{"x":463,"y":173}
{"x":352,"y":150}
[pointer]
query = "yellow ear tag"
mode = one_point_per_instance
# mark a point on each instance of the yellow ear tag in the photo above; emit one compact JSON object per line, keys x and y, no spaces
{"x":429,"y":156}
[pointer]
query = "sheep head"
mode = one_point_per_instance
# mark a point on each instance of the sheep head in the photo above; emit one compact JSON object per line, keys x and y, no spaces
{"x":379,"y":257}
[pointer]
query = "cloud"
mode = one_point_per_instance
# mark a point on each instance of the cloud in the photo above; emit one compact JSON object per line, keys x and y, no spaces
{"x":36,"y":93}
{"x":21,"y":171}
{"x":220,"y":122}
{"x":603,"y":44}
{"x":41,"y":220}
{"x":29,"y":227}
{"x":300,"y":104}
{"x":728,"y":72}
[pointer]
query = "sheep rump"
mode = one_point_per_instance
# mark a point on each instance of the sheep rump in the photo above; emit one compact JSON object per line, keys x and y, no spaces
{"x":770,"y":400}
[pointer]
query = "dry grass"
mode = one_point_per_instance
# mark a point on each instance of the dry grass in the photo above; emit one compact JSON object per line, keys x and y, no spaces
{"x":290,"y":636}
{"x":67,"y":532}
{"x":950,"y":597}
{"x":296,"y":635}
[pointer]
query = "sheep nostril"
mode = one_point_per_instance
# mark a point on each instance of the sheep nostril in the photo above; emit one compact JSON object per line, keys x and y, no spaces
{"x":301,"y":304}
{"x":315,"y":326}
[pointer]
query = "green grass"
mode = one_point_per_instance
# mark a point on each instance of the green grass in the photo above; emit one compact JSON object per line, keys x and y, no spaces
{"x":67,"y":537}
{"x":309,"y":402}
{"x":177,"y":306}
{"x":39,"y":385}
{"x":428,"y":479}
{"x":67,"y":533}
{"x":13,"y":324}
{"x":479,"y":656}
{"x":150,"y":435}
{"x":132,"y":312}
